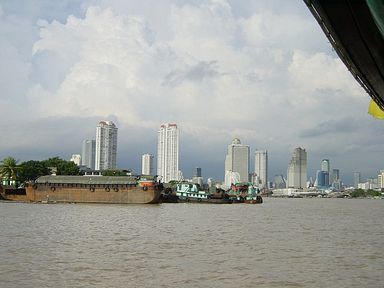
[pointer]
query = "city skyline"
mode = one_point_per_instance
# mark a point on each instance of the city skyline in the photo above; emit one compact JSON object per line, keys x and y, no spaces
{"x":220,"y":69}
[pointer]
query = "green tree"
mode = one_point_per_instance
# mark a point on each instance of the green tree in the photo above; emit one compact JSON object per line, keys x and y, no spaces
{"x":373,"y":193}
{"x":114,"y":172}
{"x":9,"y":169}
{"x":63,"y":167}
{"x":30,"y":170}
{"x":358,"y":193}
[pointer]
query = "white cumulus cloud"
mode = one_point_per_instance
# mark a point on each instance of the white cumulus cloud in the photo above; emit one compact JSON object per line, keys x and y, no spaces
{"x":264,"y":74}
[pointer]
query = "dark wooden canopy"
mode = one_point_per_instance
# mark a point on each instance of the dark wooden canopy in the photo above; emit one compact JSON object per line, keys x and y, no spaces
{"x":355,"y":29}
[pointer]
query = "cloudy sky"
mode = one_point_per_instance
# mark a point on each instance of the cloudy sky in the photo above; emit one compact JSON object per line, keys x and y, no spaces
{"x":261,"y":71}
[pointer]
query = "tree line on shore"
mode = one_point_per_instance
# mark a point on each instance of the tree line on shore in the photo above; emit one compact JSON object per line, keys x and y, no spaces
{"x":12,"y":171}
{"x":361,"y":193}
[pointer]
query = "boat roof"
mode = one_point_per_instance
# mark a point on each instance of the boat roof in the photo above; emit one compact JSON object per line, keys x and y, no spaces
{"x":88,"y":179}
{"x":356,"y":31}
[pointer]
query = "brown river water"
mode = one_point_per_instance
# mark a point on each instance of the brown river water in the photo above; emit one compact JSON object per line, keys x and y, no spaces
{"x":280,"y":243}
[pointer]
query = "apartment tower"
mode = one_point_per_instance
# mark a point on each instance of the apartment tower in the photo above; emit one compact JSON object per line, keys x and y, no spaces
{"x":147,"y":164}
{"x":106,"y":146}
{"x":261,"y":167}
{"x":168,"y":153}
{"x":88,"y":154}
{"x":237,"y":161}
{"x":297,"y":170}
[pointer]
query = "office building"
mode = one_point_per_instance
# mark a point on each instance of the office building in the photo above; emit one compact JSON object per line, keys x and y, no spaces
{"x":88,"y":154}
{"x":198,"y":178}
{"x":325,"y":167}
{"x":356,"y":179}
{"x":106,"y":145}
{"x":237,"y":161}
{"x":279,"y":182}
{"x":198,"y":172}
{"x":261,"y":167}
{"x":322,"y":179}
{"x":380,"y":179}
{"x":297,"y":170}
{"x":335,"y":176}
{"x":168,"y":153}
{"x":147,"y":164}
{"x":323,"y":175}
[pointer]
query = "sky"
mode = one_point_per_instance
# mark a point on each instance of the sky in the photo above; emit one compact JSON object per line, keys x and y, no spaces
{"x":260,"y":71}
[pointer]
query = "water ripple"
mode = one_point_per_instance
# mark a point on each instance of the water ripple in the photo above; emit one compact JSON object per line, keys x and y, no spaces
{"x":282,"y":243}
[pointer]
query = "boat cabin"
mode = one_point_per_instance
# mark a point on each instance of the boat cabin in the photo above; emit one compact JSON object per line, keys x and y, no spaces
{"x":190,"y":190}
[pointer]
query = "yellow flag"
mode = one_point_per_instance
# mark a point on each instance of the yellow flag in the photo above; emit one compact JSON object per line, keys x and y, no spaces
{"x":375,"y":110}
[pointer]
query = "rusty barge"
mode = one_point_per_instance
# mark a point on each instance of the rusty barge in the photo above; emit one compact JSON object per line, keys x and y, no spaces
{"x":94,"y":189}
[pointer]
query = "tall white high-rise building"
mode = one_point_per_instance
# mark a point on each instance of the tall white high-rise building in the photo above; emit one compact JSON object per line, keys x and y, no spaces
{"x":380,"y":179}
{"x":88,"y":154}
{"x":106,"y":145}
{"x":261,"y":167}
{"x":168,"y":153}
{"x":147,"y":164}
{"x":297,"y":170}
{"x":237,"y":161}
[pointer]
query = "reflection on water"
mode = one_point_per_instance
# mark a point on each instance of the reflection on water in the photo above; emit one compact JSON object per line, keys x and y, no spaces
{"x":283,"y":242}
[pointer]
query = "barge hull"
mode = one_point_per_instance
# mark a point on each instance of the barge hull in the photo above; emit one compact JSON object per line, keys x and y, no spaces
{"x":134,"y":195}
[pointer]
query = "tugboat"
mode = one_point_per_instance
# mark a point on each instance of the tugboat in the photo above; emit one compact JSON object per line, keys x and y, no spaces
{"x":168,"y":196}
{"x":245,"y":193}
{"x":190,"y":192}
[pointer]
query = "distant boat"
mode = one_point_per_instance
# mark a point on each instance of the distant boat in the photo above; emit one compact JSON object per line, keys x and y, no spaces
{"x":190,"y":192}
{"x":244,"y":192}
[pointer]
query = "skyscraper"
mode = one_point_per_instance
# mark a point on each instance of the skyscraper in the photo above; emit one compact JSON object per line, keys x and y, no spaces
{"x":325,"y":167}
{"x":168,"y":152}
{"x":380,"y":179}
{"x":335,"y":176}
{"x":335,"y":180}
{"x":261,"y":167}
{"x":106,"y":145}
{"x":88,"y":154}
{"x":147,"y":164}
{"x":197,"y":178}
{"x":279,"y":182}
{"x":237,"y":160}
{"x":322,"y":179}
{"x":356,"y":179}
{"x":297,"y":169}
{"x":198,"y":172}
